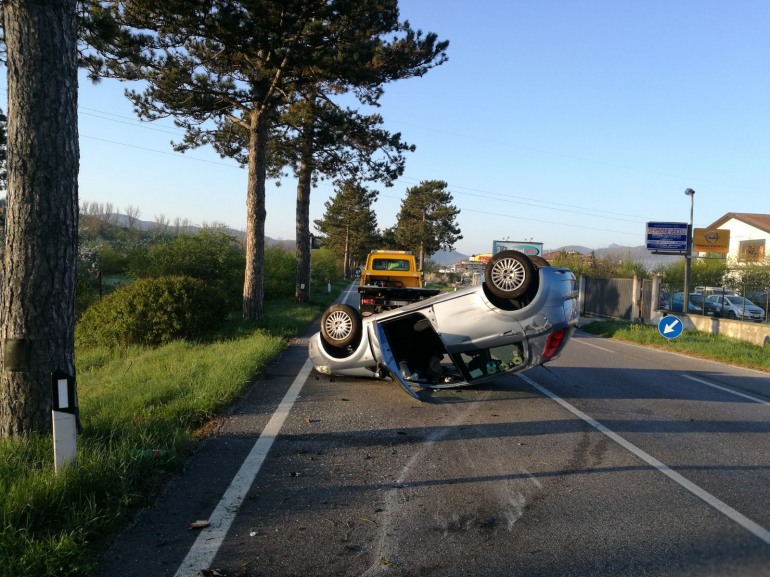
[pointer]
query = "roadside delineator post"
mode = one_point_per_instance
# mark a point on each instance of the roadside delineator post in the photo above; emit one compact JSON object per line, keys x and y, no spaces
{"x":64,"y":412}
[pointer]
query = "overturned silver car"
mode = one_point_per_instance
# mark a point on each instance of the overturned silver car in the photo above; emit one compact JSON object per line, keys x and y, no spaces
{"x":519,"y":317}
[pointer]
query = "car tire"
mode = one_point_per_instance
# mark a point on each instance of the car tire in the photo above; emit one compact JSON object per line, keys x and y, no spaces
{"x":731,"y":315}
{"x":341,"y":326}
{"x":539,"y":261}
{"x":509,"y":274}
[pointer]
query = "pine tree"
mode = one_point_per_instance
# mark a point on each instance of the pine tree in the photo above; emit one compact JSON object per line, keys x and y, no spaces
{"x":349,"y":224}
{"x":37,"y":301}
{"x":426,"y":222}
{"x":327,"y":141}
{"x":226,"y":70}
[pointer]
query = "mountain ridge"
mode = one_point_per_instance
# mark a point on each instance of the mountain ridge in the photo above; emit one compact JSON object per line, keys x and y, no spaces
{"x":638,"y":254}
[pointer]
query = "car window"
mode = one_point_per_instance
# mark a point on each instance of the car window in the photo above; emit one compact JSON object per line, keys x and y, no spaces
{"x":390,"y":264}
{"x":484,"y":362}
{"x":399,"y":265}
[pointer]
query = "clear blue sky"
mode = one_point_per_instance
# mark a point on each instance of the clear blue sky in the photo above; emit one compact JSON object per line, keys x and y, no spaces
{"x":561,"y":121}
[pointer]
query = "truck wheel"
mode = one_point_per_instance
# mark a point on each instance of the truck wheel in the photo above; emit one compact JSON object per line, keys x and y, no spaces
{"x":341,"y":326}
{"x":508,"y":274}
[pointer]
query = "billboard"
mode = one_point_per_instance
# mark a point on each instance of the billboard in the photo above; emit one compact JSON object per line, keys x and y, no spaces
{"x":528,"y":248}
{"x":667,"y":236}
{"x":711,"y":240}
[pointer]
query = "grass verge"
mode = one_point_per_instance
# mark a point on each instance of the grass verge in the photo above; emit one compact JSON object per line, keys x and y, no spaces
{"x":139,"y":409}
{"x":694,"y":343}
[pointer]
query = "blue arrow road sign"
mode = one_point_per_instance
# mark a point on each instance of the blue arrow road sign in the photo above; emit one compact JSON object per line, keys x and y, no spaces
{"x":670,"y":327}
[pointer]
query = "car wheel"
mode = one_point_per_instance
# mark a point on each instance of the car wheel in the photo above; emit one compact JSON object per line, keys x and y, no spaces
{"x":731,"y":315}
{"x":539,"y":261}
{"x":341,"y":326}
{"x":508,"y":274}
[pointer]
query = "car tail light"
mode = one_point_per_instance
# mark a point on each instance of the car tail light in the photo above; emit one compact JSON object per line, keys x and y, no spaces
{"x":553,"y":343}
{"x":368,"y":301}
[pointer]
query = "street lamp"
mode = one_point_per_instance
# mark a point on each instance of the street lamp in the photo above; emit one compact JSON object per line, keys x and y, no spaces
{"x":688,"y":255}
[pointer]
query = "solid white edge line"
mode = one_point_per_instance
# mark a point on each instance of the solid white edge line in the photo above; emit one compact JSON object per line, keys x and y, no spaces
{"x":727,"y":390}
{"x":210,"y":539}
{"x":710,"y":499}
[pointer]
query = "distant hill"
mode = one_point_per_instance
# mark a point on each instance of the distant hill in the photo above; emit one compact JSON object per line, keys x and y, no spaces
{"x":638,"y":254}
{"x":448,"y":257}
{"x":121,"y":220}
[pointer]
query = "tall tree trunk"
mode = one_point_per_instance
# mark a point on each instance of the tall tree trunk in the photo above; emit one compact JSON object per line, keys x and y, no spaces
{"x":253,"y":284}
{"x":37,"y":301}
{"x":347,"y":270}
{"x":302,"y":289}
{"x":423,"y":233}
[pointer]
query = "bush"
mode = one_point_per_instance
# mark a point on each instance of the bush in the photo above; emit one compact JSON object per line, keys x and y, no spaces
{"x":210,"y":255}
{"x":324,"y":266}
{"x":151,"y":312}
{"x":280,"y":272}
{"x":86,"y":289}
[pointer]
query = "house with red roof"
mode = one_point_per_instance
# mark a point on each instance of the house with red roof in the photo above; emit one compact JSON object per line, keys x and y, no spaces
{"x":749,"y":236}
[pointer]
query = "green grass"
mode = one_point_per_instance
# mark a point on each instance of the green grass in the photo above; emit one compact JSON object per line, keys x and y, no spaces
{"x":699,"y":344}
{"x":140,"y":409}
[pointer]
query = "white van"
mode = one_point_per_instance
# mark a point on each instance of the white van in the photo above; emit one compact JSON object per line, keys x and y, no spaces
{"x":712,"y":290}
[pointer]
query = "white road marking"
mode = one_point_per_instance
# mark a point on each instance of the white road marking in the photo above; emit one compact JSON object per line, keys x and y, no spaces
{"x":210,"y":539}
{"x":350,"y":294}
{"x":586,"y":343}
{"x":727,"y":390}
{"x":710,"y":499}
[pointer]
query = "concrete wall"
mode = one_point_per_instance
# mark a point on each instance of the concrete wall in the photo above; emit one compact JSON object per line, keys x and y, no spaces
{"x":622,"y":298}
{"x":756,"y":333}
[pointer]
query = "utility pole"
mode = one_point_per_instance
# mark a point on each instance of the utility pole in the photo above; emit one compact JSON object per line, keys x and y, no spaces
{"x":688,"y":255}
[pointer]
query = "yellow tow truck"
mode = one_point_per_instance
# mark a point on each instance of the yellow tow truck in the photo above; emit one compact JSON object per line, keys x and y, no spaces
{"x":390,"y":280}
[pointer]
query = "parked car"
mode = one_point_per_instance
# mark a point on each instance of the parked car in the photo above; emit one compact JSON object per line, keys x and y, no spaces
{"x":677,"y":304}
{"x":520,"y":316}
{"x":759,"y":298}
{"x":709,"y":308}
{"x":711,"y":290}
{"x":735,"y":307}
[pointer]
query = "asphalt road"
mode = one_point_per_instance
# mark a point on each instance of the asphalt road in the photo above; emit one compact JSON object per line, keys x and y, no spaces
{"x":613,"y":460}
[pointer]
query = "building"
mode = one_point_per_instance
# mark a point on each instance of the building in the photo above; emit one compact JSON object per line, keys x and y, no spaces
{"x":749,"y":236}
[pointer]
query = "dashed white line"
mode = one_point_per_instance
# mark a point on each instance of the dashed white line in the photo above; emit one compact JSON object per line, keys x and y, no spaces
{"x":586,"y":343}
{"x":710,"y":499}
{"x":727,"y":390}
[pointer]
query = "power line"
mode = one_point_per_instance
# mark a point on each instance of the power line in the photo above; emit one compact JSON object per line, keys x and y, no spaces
{"x":174,"y":154}
{"x":543,"y":221}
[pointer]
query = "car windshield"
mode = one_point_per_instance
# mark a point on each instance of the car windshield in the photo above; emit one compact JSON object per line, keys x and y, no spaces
{"x":697,"y":299}
{"x":740,"y":301}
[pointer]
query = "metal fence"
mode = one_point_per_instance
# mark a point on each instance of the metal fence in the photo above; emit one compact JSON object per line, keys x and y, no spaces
{"x":609,"y":297}
{"x":637,"y":299}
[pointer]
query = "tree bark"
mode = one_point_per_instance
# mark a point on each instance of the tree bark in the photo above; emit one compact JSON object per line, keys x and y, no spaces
{"x":37,"y":300}
{"x":302,"y":225}
{"x":253,"y":284}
